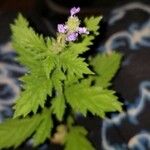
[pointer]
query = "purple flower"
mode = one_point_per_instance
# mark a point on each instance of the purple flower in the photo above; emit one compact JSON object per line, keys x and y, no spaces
{"x":61,"y":28}
{"x":74,"y":10}
{"x":72,"y":37}
{"x":83,"y":30}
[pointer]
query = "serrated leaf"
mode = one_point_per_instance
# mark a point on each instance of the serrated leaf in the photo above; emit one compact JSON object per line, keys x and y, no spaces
{"x":74,"y":66}
{"x":44,"y":129}
{"x":32,"y":51}
{"x":57,"y":78}
{"x":49,"y":65}
{"x":76,"y":139}
{"x":79,"y":48}
{"x":92,"y":24}
{"x":35,"y":94}
{"x":58,"y":106}
{"x":105,"y":67}
{"x":15,"y":131}
{"x":94,"y":99}
{"x":25,"y":38}
{"x":31,"y":47}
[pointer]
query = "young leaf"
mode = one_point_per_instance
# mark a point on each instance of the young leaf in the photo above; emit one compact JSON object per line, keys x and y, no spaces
{"x":94,"y":99}
{"x":31,"y":47}
{"x":25,"y":38}
{"x":58,"y":106}
{"x":44,"y":129}
{"x":57,"y":77}
{"x":37,"y":87}
{"x":76,"y":139}
{"x":49,"y":64}
{"x":15,"y":131}
{"x":74,"y":66}
{"x":105,"y":67}
{"x":79,"y":48}
{"x":32,"y":52}
{"x":92,"y":24}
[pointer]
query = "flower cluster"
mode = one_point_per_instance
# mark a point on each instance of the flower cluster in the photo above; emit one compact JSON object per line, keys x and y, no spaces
{"x":72,"y":27}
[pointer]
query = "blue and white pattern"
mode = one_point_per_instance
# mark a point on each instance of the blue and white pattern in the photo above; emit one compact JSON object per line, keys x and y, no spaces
{"x":9,"y":84}
{"x":133,"y":117}
{"x":135,"y":36}
{"x":136,"y":118}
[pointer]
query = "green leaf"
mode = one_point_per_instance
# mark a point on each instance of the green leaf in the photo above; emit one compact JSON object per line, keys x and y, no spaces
{"x":25,"y":38}
{"x":74,"y":66}
{"x":15,"y":131}
{"x":92,"y":24}
{"x":76,"y":139}
{"x":105,"y":67}
{"x":35,"y":94}
{"x":94,"y":99}
{"x":32,"y":51}
{"x":58,"y":106}
{"x":49,"y":64}
{"x":57,"y":78}
{"x":79,"y":48}
{"x":44,"y":129}
{"x":31,"y":47}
